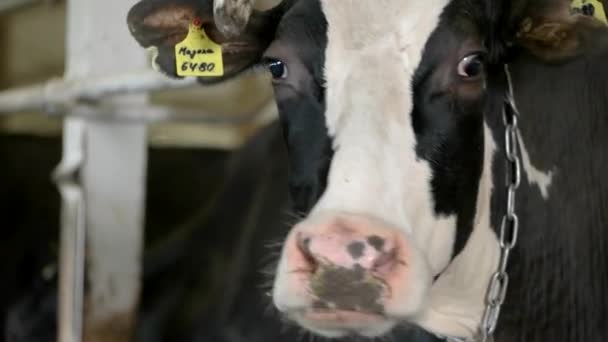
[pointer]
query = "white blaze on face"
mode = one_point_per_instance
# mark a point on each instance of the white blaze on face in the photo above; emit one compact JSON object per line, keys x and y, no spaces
{"x":374,"y":48}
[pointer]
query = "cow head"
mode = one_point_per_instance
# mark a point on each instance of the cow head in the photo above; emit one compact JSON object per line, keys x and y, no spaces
{"x":384,"y":106}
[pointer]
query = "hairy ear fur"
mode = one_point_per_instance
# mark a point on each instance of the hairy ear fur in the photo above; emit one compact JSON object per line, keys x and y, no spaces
{"x":559,"y":37}
{"x":232,"y":16}
{"x":548,"y":29}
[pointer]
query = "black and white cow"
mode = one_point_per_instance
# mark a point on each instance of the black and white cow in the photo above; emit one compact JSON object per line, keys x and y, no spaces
{"x":391,"y":112}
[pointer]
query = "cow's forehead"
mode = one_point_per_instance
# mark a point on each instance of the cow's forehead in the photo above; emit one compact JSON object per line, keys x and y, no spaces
{"x":374,"y":44}
{"x":355,"y":24}
{"x":373,"y":51}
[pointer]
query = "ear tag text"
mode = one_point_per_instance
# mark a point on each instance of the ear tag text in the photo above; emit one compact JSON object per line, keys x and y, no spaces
{"x":197,"y":55}
{"x":593,"y":8}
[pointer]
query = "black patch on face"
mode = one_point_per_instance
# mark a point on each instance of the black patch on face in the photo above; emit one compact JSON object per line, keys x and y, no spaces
{"x":309,"y":150}
{"x":447,"y":119}
{"x":302,"y":106}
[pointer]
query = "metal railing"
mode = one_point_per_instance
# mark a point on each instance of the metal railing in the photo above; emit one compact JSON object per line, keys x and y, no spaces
{"x":104,"y":157}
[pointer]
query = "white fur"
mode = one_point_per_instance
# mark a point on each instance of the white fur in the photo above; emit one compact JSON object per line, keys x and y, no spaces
{"x":374,"y":47}
{"x":456,"y":304}
{"x":375,"y":169}
{"x":534,"y":175}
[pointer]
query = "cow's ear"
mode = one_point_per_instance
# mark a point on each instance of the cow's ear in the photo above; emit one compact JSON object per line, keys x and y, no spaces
{"x":159,"y":25}
{"x":554,"y":31}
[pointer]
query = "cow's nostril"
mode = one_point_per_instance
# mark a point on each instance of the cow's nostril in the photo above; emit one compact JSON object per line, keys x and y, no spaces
{"x":303,"y":244}
{"x":356,"y":249}
{"x":385,"y":261}
{"x":376,"y":242}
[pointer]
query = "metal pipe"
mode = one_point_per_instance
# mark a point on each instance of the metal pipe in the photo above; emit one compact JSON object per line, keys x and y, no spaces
{"x":57,"y":94}
{"x":148,"y":114}
{"x":73,"y":232}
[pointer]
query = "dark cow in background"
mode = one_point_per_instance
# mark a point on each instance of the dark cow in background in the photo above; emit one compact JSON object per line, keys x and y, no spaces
{"x":210,"y":219}
{"x":392,"y":116}
{"x":180,"y":184}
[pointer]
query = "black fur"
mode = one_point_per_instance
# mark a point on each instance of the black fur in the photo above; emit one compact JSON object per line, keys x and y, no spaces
{"x":559,"y":272}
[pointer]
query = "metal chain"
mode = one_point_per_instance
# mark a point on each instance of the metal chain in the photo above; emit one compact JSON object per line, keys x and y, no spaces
{"x":509,"y":228}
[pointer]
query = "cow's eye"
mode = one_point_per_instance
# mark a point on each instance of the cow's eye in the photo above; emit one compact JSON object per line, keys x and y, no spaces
{"x":471,"y":66}
{"x":277,"y":68}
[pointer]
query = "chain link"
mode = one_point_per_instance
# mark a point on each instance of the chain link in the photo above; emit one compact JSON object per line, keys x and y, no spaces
{"x":509,"y":228}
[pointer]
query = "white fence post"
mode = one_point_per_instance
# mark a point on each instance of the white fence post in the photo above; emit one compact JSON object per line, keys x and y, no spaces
{"x":112,"y":179}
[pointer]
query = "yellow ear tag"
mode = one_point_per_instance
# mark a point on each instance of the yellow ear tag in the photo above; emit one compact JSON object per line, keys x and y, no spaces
{"x":590,"y":7}
{"x":197,"y":55}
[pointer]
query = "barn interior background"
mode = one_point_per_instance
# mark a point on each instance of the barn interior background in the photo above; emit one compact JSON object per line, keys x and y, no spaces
{"x":131,"y":197}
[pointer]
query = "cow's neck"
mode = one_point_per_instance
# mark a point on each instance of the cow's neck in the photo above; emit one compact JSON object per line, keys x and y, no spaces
{"x":558,"y":276}
{"x":457,"y":298}
{"x":559,"y":269}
